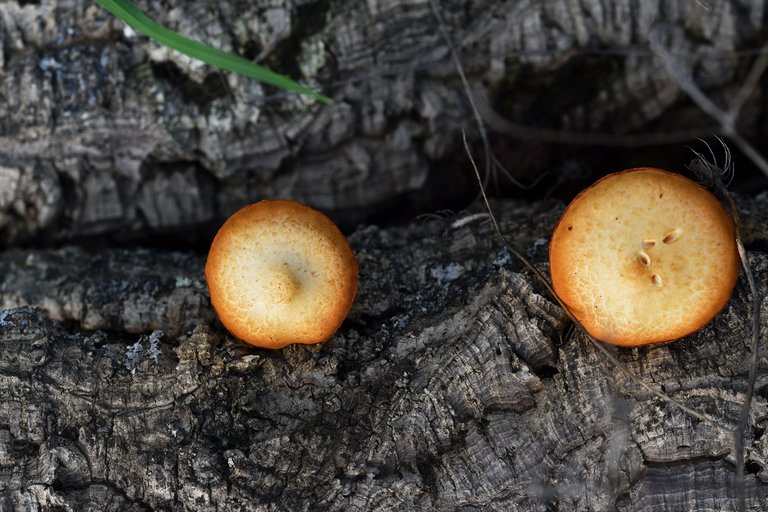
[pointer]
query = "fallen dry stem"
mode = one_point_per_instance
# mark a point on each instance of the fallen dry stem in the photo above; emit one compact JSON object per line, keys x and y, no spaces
{"x":502,"y":125}
{"x":726,"y":119}
{"x":713,"y":176}
{"x":749,"y":85}
{"x":465,"y":83}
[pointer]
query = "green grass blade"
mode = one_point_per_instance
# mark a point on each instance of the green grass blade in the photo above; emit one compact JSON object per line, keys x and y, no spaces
{"x":133,"y":16}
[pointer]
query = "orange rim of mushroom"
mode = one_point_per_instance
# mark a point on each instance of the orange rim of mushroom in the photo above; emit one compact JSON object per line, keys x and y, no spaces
{"x":279,"y":273}
{"x":644,"y":256}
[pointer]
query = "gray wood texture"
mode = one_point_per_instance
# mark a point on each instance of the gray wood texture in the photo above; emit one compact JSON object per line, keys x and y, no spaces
{"x":455,"y":384}
{"x":104,"y":132}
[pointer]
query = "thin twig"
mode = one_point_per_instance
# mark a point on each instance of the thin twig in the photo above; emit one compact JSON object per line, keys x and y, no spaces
{"x":465,"y":83}
{"x":684,"y":80}
{"x":714,"y":175}
{"x":749,"y":150}
{"x":503,"y":125}
{"x":514,"y":180}
{"x":741,"y":430}
{"x":727,"y":119}
{"x":748,"y":87}
{"x":539,"y":275}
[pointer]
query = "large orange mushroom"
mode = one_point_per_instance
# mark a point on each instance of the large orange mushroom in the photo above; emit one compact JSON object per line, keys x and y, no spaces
{"x":280,"y":273}
{"x":644,"y":256}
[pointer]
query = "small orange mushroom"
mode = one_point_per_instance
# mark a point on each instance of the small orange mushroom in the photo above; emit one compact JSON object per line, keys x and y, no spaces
{"x":644,"y":256}
{"x":279,"y":273}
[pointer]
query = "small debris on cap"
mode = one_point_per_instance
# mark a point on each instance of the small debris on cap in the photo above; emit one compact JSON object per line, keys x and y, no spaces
{"x":662,"y":292}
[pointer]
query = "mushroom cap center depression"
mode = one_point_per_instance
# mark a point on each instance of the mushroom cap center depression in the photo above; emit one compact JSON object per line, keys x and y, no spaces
{"x":276,"y":279}
{"x":281,"y":284}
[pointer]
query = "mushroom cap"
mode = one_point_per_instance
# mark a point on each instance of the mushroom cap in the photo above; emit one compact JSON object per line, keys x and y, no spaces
{"x":644,"y":256}
{"x":279,"y":273}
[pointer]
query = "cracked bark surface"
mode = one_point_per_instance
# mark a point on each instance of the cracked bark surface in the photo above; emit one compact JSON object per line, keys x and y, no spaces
{"x":455,"y":384}
{"x":103,"y":132}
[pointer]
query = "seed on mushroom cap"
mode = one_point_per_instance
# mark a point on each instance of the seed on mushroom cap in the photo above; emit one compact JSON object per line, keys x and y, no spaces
{"x":673,"y":235}
{"x":629,"y":295}
{"x":279,"y":273}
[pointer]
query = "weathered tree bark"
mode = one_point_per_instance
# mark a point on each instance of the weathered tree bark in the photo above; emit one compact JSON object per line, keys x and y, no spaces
{"x":103,"y":132}
{"x":456,"y":384}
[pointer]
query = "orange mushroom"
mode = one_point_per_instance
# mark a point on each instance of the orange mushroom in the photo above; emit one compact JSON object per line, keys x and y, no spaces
{"x":644,"y":256}
{"x":279,"y":273}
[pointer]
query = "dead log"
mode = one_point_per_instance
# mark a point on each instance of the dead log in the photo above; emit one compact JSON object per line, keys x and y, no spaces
{"x":103,"y":132}
{"x":456,"y":384}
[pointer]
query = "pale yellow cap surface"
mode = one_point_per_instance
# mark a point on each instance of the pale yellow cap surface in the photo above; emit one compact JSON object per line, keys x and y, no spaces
{"x":644,"y":256}
{"x":279,"y":273}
